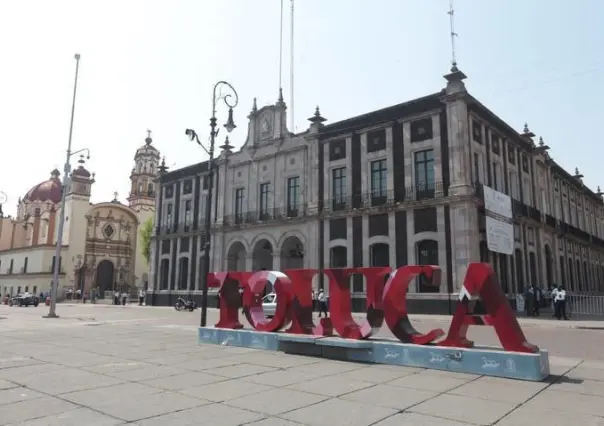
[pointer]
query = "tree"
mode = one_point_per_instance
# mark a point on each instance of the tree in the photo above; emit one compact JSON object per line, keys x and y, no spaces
{"x":145,"y":237}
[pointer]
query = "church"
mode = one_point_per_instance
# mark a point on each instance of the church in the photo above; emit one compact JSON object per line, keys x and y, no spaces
{"x":101,"y":245}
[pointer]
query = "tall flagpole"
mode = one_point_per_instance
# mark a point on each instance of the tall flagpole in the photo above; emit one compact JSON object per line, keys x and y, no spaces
{"x":281,"y":49}
{"x":291,"y":101}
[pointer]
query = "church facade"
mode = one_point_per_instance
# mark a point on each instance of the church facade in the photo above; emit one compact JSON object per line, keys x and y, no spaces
{"x":101,"y":244}
{"x":397,"y":186}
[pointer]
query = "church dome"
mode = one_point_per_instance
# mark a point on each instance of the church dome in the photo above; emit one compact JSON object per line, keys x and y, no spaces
{"x":49,"y":190}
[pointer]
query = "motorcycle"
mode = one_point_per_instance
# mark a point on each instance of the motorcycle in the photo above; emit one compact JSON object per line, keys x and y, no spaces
{"x":182,"y":304}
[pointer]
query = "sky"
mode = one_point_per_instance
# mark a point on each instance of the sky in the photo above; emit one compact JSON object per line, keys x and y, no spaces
{"x":151,"y":64}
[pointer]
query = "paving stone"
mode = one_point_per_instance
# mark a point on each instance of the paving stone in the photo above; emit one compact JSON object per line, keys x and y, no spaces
{"x":586,"y":373}
{"x":11,"y":373}
{"x":78,"y":417}
{"x":150,"y":405}
{"x":12,"y":395}
{"x":11,"y":361}
{"x":496,"y":389}
{"x":327,"y":368}
{"x":464,"y":409}
{"x":240,"y":370}
{"x":569,"y":402}
{"x":207,"y":415}
{"x":146,"y":373}
{"x":378,"y":374}
{"x":529,"y":415}
{"x":276,"y":401}
{"x":584,"y":386}
{"x":390,"y":396}
{"x":65,"y":380}
{"x":414,"y":419}
{"x":224,"y":391}
{"x":339,"y":412}
{"x":110,"y":394}
{"x":27,"y":410}
{"x":182,"y":381}
{"x":279,"y":378}
{"x":428,"y":382}
{"x":331,"y":386}
{"x":274,"y":421}
{"x":5,"y":384}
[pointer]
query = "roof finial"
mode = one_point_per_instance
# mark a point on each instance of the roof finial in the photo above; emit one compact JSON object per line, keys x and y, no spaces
{"x":148,"y":140}
{"x":541,"y":143}
{"x":526,"y":128}
{"x":255,"y":106}
{"x":577,"y":171}
{"x":115,"y":194}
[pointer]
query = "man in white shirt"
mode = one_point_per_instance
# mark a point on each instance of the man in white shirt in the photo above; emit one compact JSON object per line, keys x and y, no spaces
{"x":560,"y":303}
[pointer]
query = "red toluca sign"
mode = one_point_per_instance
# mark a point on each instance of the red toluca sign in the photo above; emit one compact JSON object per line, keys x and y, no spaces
{"x":386,"y":301}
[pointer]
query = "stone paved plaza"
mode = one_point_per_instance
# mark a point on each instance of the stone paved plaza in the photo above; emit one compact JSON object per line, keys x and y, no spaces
{"x":103,"y":365}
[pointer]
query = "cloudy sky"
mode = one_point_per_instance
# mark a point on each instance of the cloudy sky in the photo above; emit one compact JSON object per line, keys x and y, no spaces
{"x":151,"y":64}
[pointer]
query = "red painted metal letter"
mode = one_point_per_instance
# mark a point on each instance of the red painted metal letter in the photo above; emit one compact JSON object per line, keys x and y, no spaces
{"x":395,"y":304}
{"x":302,"y":305}
{"x":340,"y":307}
{"x":481,"y":282}
{"x":252,"y":300}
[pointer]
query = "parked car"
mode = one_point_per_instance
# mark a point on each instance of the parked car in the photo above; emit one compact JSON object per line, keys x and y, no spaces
{"x":24,"y":299}
{"x":269,"y":304}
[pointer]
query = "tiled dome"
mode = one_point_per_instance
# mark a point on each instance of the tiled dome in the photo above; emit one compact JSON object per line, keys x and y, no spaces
{"x":49,"y":190}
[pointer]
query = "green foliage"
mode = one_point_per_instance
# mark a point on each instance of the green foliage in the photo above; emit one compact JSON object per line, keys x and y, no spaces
{"x":146,"y":233}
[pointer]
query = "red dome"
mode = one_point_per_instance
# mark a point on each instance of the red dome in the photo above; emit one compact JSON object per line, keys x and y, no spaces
{"x":49,"y":190}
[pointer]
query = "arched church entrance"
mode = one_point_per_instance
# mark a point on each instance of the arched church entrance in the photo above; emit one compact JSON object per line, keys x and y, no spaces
{"x":105,"y":276}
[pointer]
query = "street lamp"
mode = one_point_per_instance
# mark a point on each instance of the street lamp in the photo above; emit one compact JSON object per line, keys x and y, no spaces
{"x":231,"y":99}
{"x":55,"y":276}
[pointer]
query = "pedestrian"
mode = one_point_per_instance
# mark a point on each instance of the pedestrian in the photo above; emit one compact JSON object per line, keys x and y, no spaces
{"x":561,"y":303}
{"x":116,"y":298}
{"x":124,"y":298}
{"x":552,"y":295}
{"x":321,"y":300}
{"x":529,"y":298}
{"x":141,"y":297}
{"x":537,"y":298}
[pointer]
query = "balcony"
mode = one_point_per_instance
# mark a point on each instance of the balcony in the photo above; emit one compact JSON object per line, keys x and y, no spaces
{"x":534,"y":214}
{"x":519,"y":209}
{"x":385,"y":198}
{"x":550,"y":221}
{"x":264,"y":216}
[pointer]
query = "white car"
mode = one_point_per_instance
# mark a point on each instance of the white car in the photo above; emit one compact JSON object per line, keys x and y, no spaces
{"x":269,"y":304}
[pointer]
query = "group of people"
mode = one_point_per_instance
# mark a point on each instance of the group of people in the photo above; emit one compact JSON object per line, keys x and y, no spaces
{"x":536,"y":298}
{"x":123,"y":298}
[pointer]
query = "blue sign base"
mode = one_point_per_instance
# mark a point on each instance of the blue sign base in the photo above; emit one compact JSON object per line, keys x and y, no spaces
{"x":480,"y":360}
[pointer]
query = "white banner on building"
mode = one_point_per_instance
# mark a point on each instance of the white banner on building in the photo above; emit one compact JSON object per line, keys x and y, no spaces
{"x":497,"y":202}
{"x":500,"y":236}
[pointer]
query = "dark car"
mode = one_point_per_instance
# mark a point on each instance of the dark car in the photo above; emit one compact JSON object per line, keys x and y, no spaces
{"x":24,"y":299}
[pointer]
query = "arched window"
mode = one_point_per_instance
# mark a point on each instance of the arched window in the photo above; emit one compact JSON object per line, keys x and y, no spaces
{"x":163,"y":274}
{"x":338,"y":257}
{"x":183,"y":273}
{"x":519,"y":260}
{"x":379,"y":254}
{"x":427,"y":254}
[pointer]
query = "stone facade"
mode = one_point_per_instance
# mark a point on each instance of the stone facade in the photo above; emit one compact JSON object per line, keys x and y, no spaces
{"x":401,"y":185}
{"x":100,"y":244}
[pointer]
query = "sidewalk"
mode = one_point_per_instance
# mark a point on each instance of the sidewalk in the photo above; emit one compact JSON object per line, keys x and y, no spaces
{"x":589,"y":323}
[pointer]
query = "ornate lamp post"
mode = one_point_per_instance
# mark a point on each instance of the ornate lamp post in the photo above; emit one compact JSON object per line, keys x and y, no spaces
{"x":66,"y":182}
{"x":231,"y":99}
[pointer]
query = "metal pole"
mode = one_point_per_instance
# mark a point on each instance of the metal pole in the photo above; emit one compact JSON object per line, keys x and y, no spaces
{"x":208,"y":218}
{"x":55,"y":276}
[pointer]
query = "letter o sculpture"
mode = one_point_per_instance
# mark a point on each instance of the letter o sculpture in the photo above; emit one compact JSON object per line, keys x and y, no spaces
{"x":252,"y":300}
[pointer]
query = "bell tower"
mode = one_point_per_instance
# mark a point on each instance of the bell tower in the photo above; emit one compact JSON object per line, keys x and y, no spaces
{"x":142,"y":189}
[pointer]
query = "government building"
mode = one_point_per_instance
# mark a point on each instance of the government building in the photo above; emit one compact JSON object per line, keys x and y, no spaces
{"x":397,"y":186}
{"x":100,"y":245}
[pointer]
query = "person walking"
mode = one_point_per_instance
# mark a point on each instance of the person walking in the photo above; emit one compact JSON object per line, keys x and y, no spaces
{"x":561,"y":303}
{"x":552,"y":295}
{"x":537,"y":298}
{"x":141,"y":297}
{"x":322,"y":301}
